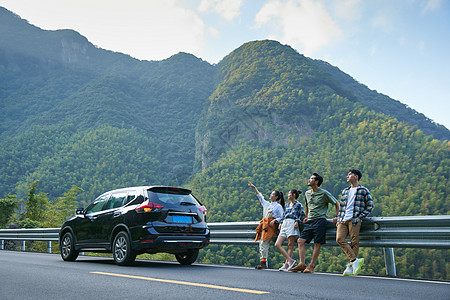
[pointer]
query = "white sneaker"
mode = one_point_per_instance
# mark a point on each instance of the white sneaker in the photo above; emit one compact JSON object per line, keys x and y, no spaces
{"x":356,"y":265}
{"x":349,"y":270}
{"x":285,"y":267}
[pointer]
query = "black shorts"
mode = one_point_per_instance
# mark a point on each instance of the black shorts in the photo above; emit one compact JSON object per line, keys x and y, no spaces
{"x":315,"y":229}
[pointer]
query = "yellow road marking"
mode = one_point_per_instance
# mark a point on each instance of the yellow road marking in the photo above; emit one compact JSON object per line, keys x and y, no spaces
{"x":184,"y":283}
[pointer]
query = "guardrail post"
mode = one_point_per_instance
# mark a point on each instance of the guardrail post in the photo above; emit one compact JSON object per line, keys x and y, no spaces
{"x":49,"y":246}
{"x":23,"y":245}
{"x":389,"y":261}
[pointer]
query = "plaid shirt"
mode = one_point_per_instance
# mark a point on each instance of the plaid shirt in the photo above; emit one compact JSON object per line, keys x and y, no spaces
{"x":295,"y":212}
{"x":363,"y":204}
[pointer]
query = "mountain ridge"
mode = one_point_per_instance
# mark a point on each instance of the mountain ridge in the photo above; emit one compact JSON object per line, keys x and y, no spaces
{"x":386,"y":105}
{"x":263,"y":90}
{"x":69,"y":48}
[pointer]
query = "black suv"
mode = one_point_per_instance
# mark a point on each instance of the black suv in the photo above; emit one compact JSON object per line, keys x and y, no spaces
{"x":135,"y":220}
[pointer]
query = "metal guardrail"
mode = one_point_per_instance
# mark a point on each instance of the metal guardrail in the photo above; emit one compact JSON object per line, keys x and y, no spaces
{"x":426,"y":232}
{"x":35,"y":234}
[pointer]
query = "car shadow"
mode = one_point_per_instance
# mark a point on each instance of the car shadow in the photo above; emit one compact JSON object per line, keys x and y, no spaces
{"x":138,"y":263}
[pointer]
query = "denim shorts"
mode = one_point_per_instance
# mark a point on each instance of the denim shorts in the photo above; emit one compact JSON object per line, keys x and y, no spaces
{"x":315,"y":229}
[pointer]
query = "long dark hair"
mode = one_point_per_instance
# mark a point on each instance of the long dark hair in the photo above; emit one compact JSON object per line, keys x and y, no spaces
{"x":280,"y":197}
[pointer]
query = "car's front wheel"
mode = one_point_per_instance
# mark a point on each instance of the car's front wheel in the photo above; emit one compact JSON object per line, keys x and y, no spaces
{"x":122,"y":252}
{"x":68,"y":252}
{"x":188,"y":257}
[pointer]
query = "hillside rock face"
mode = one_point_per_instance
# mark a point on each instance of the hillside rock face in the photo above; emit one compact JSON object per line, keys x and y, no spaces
{"x":71,"y":51}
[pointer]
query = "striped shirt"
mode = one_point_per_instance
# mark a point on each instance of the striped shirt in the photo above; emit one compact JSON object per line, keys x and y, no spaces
{"x":363,"y":204}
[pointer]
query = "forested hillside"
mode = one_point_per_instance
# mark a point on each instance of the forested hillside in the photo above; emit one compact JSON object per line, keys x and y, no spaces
{"x":95,"y":119}
{"x":72,"y":114}
{"x":383,"y":104}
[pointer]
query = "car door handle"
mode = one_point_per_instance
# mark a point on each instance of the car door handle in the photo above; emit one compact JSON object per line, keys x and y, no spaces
{"x":117,"y":214}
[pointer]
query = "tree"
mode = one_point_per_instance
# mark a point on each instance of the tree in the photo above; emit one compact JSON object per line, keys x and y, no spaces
{"x":62,"y":208}
{"x":7,"y":207}
{"x":36,"y":208}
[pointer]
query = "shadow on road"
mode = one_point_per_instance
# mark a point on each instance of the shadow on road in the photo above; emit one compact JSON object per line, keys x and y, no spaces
{"x":137,"y":263}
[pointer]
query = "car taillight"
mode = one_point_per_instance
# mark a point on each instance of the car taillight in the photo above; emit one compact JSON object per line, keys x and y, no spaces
{"x":203,"y":209}
{"x":147,"y":241}
{"x":147,"y":206}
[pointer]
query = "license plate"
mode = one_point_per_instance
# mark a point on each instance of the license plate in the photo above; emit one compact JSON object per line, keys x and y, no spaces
{"x":181,"y":219}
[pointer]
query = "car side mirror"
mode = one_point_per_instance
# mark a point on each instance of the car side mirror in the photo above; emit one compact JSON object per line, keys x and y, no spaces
{"x":79,"y":211}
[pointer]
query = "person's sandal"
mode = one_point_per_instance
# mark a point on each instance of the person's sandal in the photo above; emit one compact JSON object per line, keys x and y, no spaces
{"x":309,"y":269}
{"x":298,"y":268}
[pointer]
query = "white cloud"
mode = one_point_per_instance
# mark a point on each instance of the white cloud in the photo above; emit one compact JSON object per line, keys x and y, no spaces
{"x":227,"y":9}
{"x":151,"y":30}
{"x":431,"y":5}
{"x":421,"y":46}
{"x":381,"y":21}
{"x":348,"y":9}
{"x":213,"y":31}
{"x":304,"y":24}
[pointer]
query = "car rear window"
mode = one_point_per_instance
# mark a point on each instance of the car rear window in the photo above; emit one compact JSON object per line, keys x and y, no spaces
{"x":171,"y":196}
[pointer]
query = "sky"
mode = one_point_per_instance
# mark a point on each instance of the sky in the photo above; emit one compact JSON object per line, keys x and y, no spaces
{"x":400,"y":48}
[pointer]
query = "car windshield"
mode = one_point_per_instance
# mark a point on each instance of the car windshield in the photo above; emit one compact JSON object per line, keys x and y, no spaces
{"x":172,"y":196}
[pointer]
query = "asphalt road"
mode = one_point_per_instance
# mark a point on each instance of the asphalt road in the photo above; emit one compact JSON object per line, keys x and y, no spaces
{"x":26,"y":275}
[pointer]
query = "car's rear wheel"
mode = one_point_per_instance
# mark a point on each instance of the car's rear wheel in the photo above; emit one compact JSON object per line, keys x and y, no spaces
{"x":68,"y":252}
{"x":188,"y":257}
{"x":122,"y":252}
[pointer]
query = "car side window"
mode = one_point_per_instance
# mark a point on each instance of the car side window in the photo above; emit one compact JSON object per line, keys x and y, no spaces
{"x":130,"y":197}
{"x":138,"y":200}
{"x":116,"y":200}
{"x":97,"y":205}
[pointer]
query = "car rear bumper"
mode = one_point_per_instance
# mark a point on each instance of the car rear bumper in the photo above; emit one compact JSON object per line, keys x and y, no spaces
{"x":171,"y":243}
{"x":150,"y":241}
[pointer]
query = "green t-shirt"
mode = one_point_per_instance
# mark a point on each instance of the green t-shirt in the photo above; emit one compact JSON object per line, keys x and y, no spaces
{"x":317,"y":203}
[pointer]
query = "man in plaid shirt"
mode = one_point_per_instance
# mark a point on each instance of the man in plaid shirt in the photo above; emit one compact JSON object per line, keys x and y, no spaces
{"x":356,"y":204}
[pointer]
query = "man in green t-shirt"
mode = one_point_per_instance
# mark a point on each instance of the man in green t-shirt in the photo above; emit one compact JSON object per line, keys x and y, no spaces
{"x":315,"y":223}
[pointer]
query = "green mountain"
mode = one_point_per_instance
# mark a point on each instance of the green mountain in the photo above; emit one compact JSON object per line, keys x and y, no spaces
{"x":68,"y":107}
{"x":276,"y":117}
{"x":75,"y":114}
